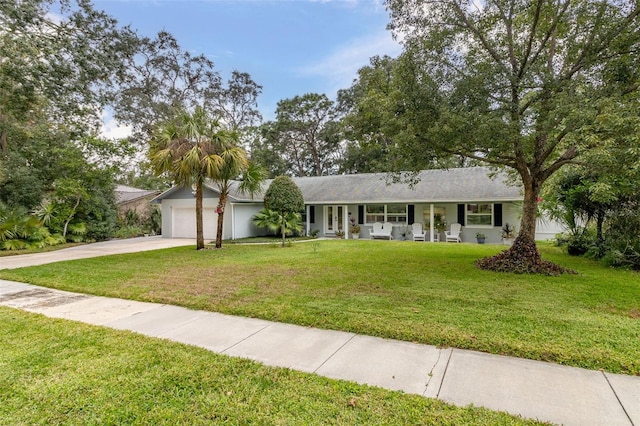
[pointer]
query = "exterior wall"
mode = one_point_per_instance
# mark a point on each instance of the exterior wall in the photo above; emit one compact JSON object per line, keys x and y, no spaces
{"x":240,"y":220}
{"x":319,"y":221}
{"x":546,"y":229}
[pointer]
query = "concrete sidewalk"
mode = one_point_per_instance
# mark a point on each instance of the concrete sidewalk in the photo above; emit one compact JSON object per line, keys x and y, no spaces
{"x":104,"y":248}
{"x":532,"y":389}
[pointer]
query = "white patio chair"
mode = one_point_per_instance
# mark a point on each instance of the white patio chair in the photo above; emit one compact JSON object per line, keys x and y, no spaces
{"x":418,"y":232}
{"x":454,"y":233}
{"x":381,"y":231}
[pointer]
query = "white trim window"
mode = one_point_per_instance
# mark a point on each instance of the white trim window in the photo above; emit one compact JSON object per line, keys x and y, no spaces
{"x":397,"y":213}
{"x":375,"y":213}
{"x":479,"y":215}
{"x":393,"y":213}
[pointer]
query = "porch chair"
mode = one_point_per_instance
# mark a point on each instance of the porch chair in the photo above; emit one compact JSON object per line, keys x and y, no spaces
{"x":418,"y":233}
{"x":454,"y":233}
{"x":381,"y":231}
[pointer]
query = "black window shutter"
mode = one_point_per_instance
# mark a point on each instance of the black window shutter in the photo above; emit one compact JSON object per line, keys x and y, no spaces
{"x":361,"y":214}
{"x":312,"y":214}
{"x":461,"y":214}
{"x":412,"y":214}
{"x":497,"y":215}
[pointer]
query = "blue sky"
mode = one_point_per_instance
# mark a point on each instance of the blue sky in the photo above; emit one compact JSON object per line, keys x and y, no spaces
{"x":290,"y":47}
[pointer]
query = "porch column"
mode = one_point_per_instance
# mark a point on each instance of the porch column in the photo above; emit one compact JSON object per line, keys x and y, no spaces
{"x":345,"y":221}
{"x":431,"y":218}
{"x":308,"y":224}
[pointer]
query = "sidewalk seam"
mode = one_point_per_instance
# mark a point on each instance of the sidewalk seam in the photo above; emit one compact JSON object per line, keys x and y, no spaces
{"x":618,"y":398}
{"x":246,"y":338}
{"x":444,"y":374}
{"x":334,"y":352}
{"x":430,"y":373}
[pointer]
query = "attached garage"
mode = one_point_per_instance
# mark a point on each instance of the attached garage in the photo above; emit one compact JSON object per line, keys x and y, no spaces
{"x":178,"y":206}
{"x":184,"y":222}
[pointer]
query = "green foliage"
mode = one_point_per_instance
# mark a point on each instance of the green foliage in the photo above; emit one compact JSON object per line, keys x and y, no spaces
{"x":77,"y":232}
{"x":154,"y":221}
{"x":303,"y":140}
{"x":285,"y":223}
{"x":582,"y":242}
{"x":604,"y":219}
{"x":285,"y":200}
{"x":129,"y":231}
{"x":74,"y":71}
{"x":20,"y":230}
{"x":518,"y":83}
{"x":131,"y":218}
{"x":623,"y":236}
{"x":165,"y":79}
{"x":194,"y":147}
{"x":284,"y":196}
{"x":389,"y":111}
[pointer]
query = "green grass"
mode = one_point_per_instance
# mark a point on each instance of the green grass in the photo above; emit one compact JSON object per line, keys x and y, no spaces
{"x":274,"y":239}
{"x":61,"y":372}
{"x":427,"y":293}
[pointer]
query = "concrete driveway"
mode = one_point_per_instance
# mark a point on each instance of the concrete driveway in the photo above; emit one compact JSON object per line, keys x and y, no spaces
{"x":103,"y":248}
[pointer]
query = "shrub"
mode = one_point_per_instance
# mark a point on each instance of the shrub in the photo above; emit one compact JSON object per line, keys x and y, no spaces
{"x":581,"y":243}
{"x":622,"y":244}
{"x":129,"y":232}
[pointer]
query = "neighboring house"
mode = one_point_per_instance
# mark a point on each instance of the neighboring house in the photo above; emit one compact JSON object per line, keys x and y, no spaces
{"x":138,"y":200}
{"x":469,"y":196}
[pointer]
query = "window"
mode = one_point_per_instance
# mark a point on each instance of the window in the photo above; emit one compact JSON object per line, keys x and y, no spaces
{"x":480,"y":214}
{"x":397,"y":213}
{"x":375,"y":213}
{"x":394,"y":213}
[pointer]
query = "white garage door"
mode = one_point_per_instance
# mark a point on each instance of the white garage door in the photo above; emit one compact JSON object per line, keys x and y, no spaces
{"x":184,"y":223}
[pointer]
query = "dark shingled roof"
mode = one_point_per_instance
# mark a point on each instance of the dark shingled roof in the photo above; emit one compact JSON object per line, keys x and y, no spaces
{"x":453,"y":185}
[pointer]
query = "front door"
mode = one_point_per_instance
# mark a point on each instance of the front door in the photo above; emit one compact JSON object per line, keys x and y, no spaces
{"x":335,"y":219}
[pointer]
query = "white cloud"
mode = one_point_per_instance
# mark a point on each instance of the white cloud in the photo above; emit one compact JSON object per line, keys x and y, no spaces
{"x":111,"y":129}
{"x":340,"y":67}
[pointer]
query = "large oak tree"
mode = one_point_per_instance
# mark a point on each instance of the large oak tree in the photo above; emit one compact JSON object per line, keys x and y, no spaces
{"x":522,"y":82}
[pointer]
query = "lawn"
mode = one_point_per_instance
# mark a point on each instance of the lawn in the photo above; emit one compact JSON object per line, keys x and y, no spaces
{"x":427,"y":293}
{"x":61,"y":372}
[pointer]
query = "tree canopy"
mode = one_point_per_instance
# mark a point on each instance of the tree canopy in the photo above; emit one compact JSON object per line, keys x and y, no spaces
{"x":284,"y":202}
{"x":521,"y":82}
{"x":304,"y":140}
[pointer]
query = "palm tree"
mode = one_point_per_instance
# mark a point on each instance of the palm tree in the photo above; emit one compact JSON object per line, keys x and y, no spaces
{"x":284,"y":223}
{"x":190,"y":148}
{"x":194,"y":148}
{"x":235,"y":164}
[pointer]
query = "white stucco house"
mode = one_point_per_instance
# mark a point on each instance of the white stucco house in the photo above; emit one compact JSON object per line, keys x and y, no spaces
{"x":471,"y":196}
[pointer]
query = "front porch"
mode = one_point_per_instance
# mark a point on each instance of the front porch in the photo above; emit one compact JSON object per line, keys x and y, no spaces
{"x":337,"y":220}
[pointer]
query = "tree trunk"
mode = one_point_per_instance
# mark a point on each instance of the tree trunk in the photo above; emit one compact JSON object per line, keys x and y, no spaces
{"x":523,"y":256}
{"x":283,"y":229}
{"x":530,"y":210}
{"x":66,"y":223}
{"x":220,"y":210}
{"x":199,"y":226}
